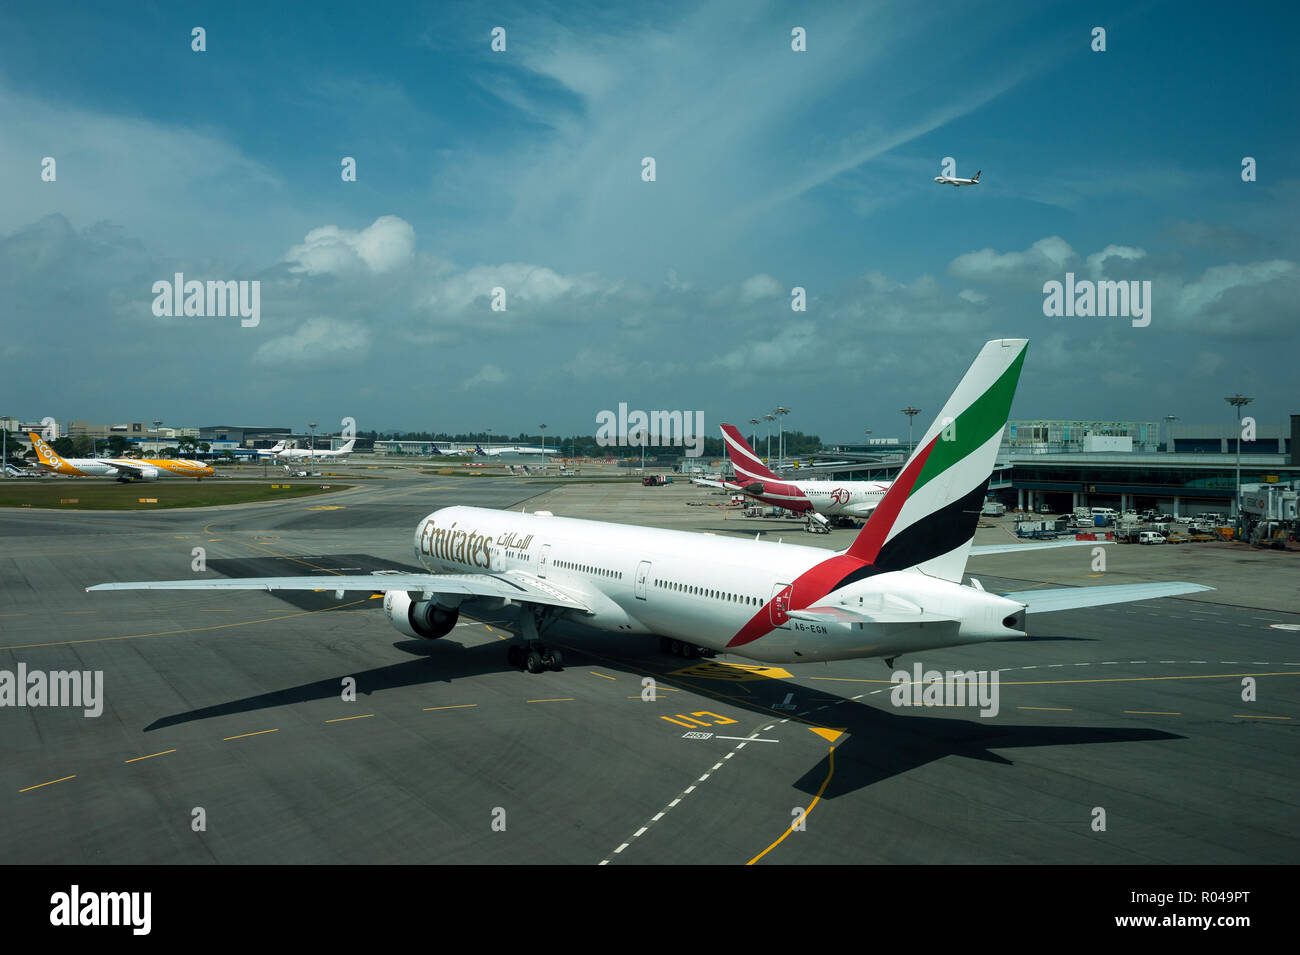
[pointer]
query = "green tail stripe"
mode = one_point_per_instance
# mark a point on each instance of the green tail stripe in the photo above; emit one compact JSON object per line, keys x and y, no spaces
{"x":985,"y":417}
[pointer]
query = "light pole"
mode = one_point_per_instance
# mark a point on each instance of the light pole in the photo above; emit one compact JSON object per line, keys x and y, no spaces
{"x":311,"y":442}
{"x":753,"y":432}
{"x":1169,"y":432}
{"x":911,"y":413}
{"x":769,"y":418}
{"x":1238,"y":402}
{"x":780,"y":412}
{"x":543,"y":427}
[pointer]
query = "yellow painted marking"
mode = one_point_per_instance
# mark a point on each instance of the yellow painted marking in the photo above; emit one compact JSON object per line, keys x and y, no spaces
{"x":1054,"y":709}
{"x":326,"y":507}
{"x":605,"y":675}
{"x":150,"y":756}
{"x":1153,"y":713}
{"x":1240,"y":716}
{"x":717,"y":720}
{"x":458,"y":706}
{"x":342,"y":719}
{"x":50,"y":783}
{"x":736,"y":672}
{"x":243,"y":735}
{"x":689,"y":726}
{"x":808,"y":812}
{"x":827,"y":734}
{"x":376,"y":597}
{"x":561,"y":699}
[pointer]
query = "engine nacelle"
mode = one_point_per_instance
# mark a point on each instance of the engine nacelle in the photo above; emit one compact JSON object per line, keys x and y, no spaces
{"x":148,"y":474}
{"x":426,"y":619}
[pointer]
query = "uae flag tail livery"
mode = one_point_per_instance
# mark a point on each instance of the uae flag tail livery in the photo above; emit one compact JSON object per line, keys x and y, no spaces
{"x":928,"y":516}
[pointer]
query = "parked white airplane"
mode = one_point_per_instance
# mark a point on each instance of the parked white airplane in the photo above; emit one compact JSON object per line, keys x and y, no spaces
{"x":270,"y":452}
{"x":954,"y":181}
{"x":295,"y":454}
{"x":824,"y":503}
{"x":897,"y":589}
{"x":493,"y":452}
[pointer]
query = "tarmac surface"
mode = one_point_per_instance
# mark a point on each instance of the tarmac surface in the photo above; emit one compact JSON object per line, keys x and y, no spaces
{"x":227,"y":709}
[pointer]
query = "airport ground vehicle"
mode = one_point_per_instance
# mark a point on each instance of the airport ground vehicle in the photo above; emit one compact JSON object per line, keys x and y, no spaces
{"x":1150,"y":537}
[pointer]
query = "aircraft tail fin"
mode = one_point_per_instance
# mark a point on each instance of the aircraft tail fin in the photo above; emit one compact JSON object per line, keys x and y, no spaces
{"x":347,"y":447}
{"x":748,"y":465}
{"x":977,"y":175}
{"x":927,"y":518}
{"x":44,"y":453}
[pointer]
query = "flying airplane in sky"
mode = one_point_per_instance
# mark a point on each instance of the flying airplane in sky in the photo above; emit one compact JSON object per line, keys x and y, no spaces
{"x":896,"y":589}
{"x":124,"y":469}
{"x":294,"y":454}
{"x":954,"y":181}
{"x":824,"y":503}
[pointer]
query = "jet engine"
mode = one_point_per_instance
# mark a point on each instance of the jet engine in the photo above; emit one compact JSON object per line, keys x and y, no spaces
{"x":426,"y":619}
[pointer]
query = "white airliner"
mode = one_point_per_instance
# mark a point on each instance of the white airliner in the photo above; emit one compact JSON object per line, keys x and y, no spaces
{"x":897,"y":589}
{"x":824,"y":503}
{"x":493,"y":452}
{"x":270,"y":452}
{"x":295,"y":454}
{"x":954,"y":181}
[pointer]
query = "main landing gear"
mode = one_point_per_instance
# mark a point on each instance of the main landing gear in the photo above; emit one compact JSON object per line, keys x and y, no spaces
{"x":533,"y":655}
{"x":688,"y":650}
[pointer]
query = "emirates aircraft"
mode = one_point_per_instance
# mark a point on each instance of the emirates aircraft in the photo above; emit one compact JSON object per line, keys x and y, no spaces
{"x":896,"y":589}
{"x":825,"y":503}
{"x":124,"y":469}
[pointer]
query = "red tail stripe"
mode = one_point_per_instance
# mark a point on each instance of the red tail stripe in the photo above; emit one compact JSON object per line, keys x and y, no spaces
{"x":872,"y":537}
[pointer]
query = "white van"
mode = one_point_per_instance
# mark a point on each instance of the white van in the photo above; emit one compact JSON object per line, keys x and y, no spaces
{"x":1150,"y":537}
{"x":1104,"y":512}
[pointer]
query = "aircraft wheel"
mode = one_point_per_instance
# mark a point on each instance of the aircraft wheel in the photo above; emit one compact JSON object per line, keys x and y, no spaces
{"x":553,"y":659}
{"x":534,"y":662}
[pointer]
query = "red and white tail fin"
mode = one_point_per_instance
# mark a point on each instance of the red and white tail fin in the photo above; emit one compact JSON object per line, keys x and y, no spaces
{"x":748,"y":465}
{"x":927,"y":518}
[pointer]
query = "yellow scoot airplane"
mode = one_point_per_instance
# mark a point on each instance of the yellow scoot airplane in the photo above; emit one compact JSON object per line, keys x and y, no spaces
{"x":124,"y":469}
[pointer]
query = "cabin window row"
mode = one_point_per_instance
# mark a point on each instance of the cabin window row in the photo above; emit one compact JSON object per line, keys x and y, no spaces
{"x":589,"y":569}
{"x":695,"y":591}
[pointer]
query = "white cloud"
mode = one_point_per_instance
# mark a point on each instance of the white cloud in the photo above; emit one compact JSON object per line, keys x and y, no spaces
{"x":1044,"y":259}
{"x":1097,"y":261}
{"x":317,"y":341}
{"x":384,"y":245}
{"x":487,"y":375}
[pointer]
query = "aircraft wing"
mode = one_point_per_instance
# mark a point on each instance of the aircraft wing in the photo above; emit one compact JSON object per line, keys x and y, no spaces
{"x":512,"y":585}
{"x":705,"y":482}
{"x":1074,"y":598}
{"x":983,"y":549}
{"x":128,"y":467}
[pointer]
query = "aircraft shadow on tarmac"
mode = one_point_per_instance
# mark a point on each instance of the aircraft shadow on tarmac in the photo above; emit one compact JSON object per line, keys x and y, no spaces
{"x":882,"y":741}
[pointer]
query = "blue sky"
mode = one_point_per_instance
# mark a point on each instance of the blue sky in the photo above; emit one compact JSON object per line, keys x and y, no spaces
{"x":521,"y":170}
